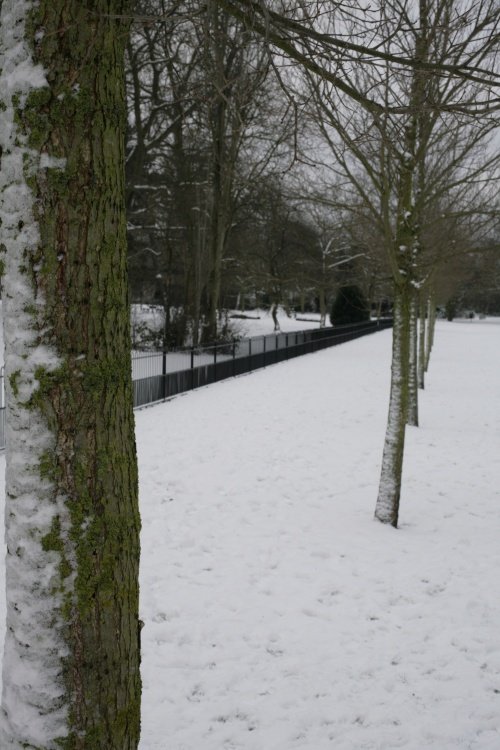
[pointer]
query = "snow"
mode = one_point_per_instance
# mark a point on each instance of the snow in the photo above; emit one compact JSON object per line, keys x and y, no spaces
{"x":260,"y":322}
{"x":256,"y":322}
{"x":257,"y":325}
{"x":278,"y":614}
{"x":31,"y":676}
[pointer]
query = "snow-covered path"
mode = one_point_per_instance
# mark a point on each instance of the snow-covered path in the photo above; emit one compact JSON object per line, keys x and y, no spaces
{"x":278,"y":615}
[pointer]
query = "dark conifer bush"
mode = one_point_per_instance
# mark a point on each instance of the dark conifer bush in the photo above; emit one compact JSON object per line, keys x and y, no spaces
{"x":451,"y":308}
{"x":349,"y":306}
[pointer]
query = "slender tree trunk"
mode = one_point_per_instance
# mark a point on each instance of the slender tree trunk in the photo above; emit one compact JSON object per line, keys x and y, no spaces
{"x":214,"y":281}
{"x":421,"y":340}
{"x":195,"y":290}
{"x":71,"y":665}
{"x":322,"y":307}
{"x":302,"y":301}
{"x":431,"y":323}
{"x":403,"y":401}
{"x":219,"y":120}
{"x":387,"y":507}
{"x":412,"y":413}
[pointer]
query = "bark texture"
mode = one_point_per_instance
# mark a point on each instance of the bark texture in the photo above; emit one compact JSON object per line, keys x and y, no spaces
{"x":412,"y":410}
{"x":405,"y":258}
{"x":387,"y":507}
{"x":421,"y":339}
{"x":431,"y":325}
{"x":83,"y":540}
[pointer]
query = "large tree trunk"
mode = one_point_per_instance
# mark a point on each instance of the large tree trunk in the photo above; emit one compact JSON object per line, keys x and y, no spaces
{"x":71,"y":665}
{"x":387,"y":508}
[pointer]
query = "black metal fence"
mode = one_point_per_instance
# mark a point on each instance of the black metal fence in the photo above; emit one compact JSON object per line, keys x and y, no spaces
{"x":160,"y":375}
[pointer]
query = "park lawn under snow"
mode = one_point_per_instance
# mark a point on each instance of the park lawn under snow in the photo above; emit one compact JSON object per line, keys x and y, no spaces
{"x":243,"y":324}
{"x":259,"y":322}
{"x":278,"y":614}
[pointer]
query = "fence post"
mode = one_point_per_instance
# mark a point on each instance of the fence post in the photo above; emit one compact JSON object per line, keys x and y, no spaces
{"x":164,"y":375}
{"x":301,"y":343}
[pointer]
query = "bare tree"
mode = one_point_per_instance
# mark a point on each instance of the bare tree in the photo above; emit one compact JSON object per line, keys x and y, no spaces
{"x":206,"y":122}
{"x":404,"y":156}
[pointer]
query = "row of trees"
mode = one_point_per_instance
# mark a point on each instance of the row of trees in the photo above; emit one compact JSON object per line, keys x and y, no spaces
{"x":227,"y":199}
{"x":204,"y":134}
{"x":216,"y":168}
{"x":397,"y":100}
{"x":413,"y":158}
{"x":382,"y":151}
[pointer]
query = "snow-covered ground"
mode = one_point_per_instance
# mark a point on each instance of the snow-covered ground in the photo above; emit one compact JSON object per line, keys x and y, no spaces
{"x":278,"y":614}
{"x":254,"y":323}
{"x":260,"y":322}
{"x":150,"y":363}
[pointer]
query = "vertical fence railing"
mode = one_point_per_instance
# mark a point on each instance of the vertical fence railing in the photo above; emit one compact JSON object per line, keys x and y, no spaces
{"x":159,"y":375}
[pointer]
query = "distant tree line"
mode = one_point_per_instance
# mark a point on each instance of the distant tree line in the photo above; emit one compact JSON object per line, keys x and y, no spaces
{"x":248,"y":184}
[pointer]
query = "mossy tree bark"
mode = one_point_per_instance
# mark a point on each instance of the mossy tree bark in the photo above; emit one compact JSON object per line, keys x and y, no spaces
{"x":71,"y":666}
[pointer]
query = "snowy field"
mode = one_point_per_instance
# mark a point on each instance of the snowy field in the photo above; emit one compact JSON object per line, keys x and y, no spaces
{"x":280,"y":616}
{"x":260,"y":322}
{"x":257,"y":323}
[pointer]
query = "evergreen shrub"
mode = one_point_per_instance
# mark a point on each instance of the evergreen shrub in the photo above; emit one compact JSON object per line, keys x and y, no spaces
{"x":349,"y":306}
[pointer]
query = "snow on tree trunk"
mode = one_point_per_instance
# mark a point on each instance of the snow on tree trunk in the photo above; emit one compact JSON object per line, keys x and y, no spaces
{"x":71,"y":660}
{"x":412,"y":410}
{"x":421,"y":340}
{"x":431,"y":324}
{"x":387,"y":507}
